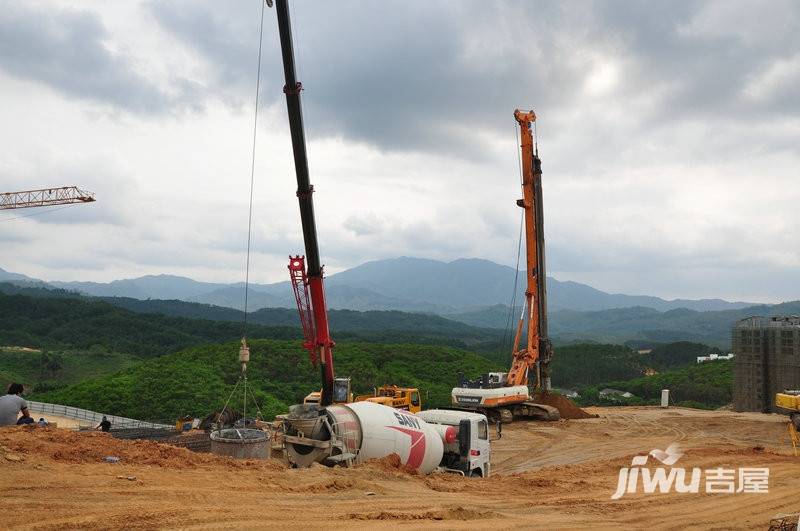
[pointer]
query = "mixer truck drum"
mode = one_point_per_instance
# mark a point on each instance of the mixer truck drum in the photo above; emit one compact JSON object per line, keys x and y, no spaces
{"x":307,"y":433}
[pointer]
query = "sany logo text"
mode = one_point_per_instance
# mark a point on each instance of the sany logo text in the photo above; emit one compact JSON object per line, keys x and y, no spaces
{"x":718,"y":480}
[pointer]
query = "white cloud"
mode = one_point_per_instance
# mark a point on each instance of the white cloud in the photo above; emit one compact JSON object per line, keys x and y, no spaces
{"x":668,"y":137}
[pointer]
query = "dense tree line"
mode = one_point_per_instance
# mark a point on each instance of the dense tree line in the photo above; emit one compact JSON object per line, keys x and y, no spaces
{"x":671,"y":355}
{"x":588,"y":364}
{"x":199,"y":379}
{"x":144,"y":363}
{"x":706,"y":385}
{"x":82,"y":323}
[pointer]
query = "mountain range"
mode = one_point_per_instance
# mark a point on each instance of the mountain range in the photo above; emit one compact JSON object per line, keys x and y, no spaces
{"x":464,"y":289}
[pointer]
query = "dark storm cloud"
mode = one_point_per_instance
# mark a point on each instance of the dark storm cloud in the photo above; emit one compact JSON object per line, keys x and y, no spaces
{"x":669,"y":133}
{"x":64,"y":49}
{"x":410,"y":76}
{"x":706,"y":52}
{"x":227,"y":37}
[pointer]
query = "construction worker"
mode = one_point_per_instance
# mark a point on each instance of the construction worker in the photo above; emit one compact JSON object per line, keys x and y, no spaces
{"x":104,"y":425}
{"x":11,"y":404}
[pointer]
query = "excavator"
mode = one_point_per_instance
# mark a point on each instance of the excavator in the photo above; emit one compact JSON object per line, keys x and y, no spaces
{"x":501,"y":396}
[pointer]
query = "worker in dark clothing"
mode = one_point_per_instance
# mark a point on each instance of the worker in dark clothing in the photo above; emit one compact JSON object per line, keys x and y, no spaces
{"x":104,"y":425}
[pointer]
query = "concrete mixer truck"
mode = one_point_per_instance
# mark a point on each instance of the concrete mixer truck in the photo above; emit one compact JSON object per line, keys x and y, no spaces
{"x":348,"y":434}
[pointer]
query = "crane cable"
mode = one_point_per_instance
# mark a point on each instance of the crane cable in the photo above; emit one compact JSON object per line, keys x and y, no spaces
{"x":244,"y":347}
{"x":37,"y":213}
{"x":252,"y":174}
{"x":511,"y":307}
{"x":513,"y":304}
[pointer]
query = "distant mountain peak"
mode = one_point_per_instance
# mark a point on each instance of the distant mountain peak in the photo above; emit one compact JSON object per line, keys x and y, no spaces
{"x":404,"y":283}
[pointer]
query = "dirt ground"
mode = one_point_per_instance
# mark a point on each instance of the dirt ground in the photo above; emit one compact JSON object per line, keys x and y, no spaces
{"x":546,"y":475}
{"x":63,"y":422}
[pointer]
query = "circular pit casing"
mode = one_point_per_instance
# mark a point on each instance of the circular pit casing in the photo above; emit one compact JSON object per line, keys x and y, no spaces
{"x":240,"y":443}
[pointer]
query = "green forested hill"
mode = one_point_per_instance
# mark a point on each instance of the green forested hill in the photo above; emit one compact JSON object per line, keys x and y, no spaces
{"x":588,"y":364}
{"x":698,"y":385}
{"x":199,"y":379}
{"x":477,"y":329}
{"x":681,"y":353}
{"x":78,"y":323}
{"x":374,"y":325}
{"x":83,"y":340}
{"x":158,"y":317}
{"x":621,"y":325}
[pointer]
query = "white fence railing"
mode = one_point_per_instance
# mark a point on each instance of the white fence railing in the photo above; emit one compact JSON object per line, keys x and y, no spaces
{"x":92,"y":418}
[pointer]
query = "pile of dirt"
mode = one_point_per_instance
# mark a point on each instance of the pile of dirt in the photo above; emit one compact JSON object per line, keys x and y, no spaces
{"x":545,"y":475}
{"x":93,"y":447}
{"x":390,"y":463}
{"x":564,"y":405}
{"x":451,"y":513}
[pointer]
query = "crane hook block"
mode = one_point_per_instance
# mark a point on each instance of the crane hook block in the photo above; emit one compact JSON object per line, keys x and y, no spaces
{"x":244,"y":352}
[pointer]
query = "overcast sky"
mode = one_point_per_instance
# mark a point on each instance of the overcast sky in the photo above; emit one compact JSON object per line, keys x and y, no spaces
{"x":669,"y":134}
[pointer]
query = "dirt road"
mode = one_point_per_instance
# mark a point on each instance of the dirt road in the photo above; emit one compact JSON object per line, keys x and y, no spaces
{"x":559,"y":475}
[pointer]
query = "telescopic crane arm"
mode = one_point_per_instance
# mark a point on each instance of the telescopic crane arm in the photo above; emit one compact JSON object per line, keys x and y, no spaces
{"x":537,"y":354}
{"x":307,"y":282}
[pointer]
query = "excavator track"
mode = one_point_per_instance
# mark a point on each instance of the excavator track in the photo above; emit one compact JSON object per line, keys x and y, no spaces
{"x":523,"y":411}
{"x":533,"y":410}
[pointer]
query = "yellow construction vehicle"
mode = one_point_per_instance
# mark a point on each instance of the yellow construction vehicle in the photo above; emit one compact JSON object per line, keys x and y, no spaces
{"x":789,"y":403}
{"x":406,"y":398}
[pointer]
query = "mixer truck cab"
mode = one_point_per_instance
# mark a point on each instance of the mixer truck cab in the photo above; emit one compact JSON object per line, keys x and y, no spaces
{"x":467,"y":448}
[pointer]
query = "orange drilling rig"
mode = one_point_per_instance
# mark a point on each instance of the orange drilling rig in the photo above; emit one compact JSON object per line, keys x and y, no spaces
{"x":505,"y":396}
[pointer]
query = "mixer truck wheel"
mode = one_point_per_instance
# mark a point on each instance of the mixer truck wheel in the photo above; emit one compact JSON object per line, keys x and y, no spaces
{"x":475,"y":473}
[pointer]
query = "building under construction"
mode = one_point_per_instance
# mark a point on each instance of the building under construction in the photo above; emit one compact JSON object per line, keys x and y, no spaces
{"x":767,"y":361}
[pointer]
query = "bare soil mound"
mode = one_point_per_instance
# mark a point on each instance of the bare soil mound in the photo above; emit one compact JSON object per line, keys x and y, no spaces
{"x":391,"y":463}
{"x":564,"y":405}
{"x":545,"y":475}
{"x":94,"y":447}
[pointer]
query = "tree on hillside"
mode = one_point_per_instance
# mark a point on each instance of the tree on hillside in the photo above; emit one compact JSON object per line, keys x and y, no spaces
{"x":50,"y":363}
{"x":677,"y":354}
